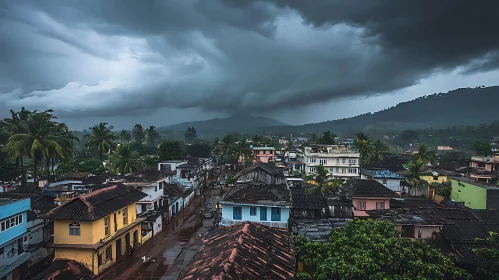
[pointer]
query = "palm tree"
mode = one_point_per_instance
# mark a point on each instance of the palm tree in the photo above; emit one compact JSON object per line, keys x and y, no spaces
{"x":242,"y":151}
{"x":152,"y":135}
{"x":378,"y":149}
{"x":40,"y":139}
{"x":363,"y":143}
{"x":415,"y":169}
{"x":226,"y":145}
{"x":101,"y":139}
{"x":125,"y":136}
{"x":426,"y":155}
{"x":320,"y":179}
{"x":125,"y":160}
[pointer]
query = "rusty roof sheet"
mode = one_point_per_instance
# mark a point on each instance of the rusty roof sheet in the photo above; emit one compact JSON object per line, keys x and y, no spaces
{"x":65,"y":269}
{"x":95,"y":205}
{"x":244,"y":251}
{"x":259,"y":193}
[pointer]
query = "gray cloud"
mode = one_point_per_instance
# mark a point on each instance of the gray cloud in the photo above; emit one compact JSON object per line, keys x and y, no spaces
{"x":115,"y":58}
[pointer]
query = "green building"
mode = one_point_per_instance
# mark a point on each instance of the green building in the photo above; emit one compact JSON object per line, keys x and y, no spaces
{"x":474,"y":194}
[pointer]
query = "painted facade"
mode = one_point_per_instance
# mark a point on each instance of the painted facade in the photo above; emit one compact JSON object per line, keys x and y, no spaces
{"x":362,"y":204}
{"x":13,"y":236}
{"x":339,"y":160}
{"x":275,"y":216}
{"x":263,"y":154}
{"x":97,"y":244}
{"x":472,"y":194}
{"x":388,"y":178}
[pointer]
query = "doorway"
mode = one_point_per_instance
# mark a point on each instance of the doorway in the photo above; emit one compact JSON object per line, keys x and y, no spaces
{"x":118,"y":248}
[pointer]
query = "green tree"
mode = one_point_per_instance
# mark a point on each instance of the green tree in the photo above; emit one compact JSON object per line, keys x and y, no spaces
{"x":124,"y":160}
{"x":243,"y":151}
{"x":138,"y":134}
{"x":408,"y":135}
{"x":101,"y":139}
{"x":198,"y":149}
{"x":426,"y":155}
{"x":415,"y":169}
{"x":488,"y":267}
{"x":482,"y":148}
{"x":41,"y":138}
{"x":363,"y":144}
{"x":226,"y":146}
{"x":442,"y":190}
{"x":152,"y":135}
{"x":367,"y":249}
{"x":327,"y":138}
{"x":453,"y":159}
{"x":379,"y":148}
{"x":170,"y":150}
{"x":321,"y":182}
{"x":191,"y":134}
{"x":125,"y":136}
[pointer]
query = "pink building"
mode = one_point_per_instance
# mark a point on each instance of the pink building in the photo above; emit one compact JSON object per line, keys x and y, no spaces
{"x":262,"y":154}
{"x":368,"y":195}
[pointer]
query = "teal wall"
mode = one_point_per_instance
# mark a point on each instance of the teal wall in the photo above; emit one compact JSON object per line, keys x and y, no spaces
{"x":473,"y":196}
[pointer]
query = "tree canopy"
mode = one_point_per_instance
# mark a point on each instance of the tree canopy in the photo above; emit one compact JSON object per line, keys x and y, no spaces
{"x":191,"y":134}
{"x":170,"y":150}
{"x":367,"y":249}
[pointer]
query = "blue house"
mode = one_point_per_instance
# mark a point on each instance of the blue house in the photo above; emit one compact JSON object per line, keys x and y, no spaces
{"x":13,"y":236}
{"x":386,"y":177}
{"x":256,"y":202}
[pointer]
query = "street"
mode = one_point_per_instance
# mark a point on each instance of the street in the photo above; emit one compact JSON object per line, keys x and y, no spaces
{"x":173,"y":248}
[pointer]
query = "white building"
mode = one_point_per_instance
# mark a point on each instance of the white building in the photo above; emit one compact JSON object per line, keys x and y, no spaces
{"x":388,"y":178}
{"x":339,"y":160}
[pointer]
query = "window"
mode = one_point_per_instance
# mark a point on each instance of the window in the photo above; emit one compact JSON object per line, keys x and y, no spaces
{"x":337,"y":161}
{"x":237,"y":213}
{"x":380,"y":205}
{"x":344,"y":160}
{"x":385,"y":181}
{"x":312,"y":160}
{"x":155,"y":188}
{"x":74,"y":229}
{"x":99,"y":259}
{"x":11,"y":222}
{"x":361,"y":205}
{"x":352,"y":161}
{"x":252,"y":211}
{"x":275,"y":214}
{"x":125,"y":216}
{"x":323,"y":161}
{"x":263,"y":213}
{"x":160,"y":185}
{"x":106,"y":226}
{"x":109,"y":253}
{"x":352,"y":170}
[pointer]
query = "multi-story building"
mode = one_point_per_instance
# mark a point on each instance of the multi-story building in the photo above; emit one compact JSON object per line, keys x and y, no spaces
{"x":388,"y":178}
{"x":339,"y":160}
{"x":13,"y":236}
{"x":263,"y":154}
{"x":487,"y":169}
{"x":96,"y":229}
{"x":265,"y":204}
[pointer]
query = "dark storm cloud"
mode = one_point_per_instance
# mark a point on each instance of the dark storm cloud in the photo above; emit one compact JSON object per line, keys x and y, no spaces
{"x":111,"y":58}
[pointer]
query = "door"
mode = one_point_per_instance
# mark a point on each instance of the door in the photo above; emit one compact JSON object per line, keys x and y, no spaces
{"x":135,"y":237}
{"x":118,"y":248}
{"x":237,"y":213}
{"x":263,"y":213}
{"x":276,"y":214}
{"x":127,"y":240}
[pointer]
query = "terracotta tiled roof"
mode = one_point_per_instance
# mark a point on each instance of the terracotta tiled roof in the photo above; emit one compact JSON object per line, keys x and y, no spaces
{"x":172,"y":190}
{"x":96,"y":205}
{"x":64,"y":270}
{"x":244,"y":251}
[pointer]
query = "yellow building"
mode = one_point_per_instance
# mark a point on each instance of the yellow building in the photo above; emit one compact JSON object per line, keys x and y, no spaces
{"x":435,"y":178}
{"x":97,"y":228}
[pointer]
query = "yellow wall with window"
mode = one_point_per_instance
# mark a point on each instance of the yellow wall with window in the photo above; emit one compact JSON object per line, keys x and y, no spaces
{"x":92,"y":232}
{"x":438,"y":179}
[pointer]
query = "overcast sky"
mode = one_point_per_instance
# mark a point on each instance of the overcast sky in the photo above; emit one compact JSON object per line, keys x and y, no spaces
{"x":164,"y":62}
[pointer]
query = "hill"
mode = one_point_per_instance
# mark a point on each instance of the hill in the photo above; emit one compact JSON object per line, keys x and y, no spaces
{"x":464,"y":106}
{"x":217,"y":126}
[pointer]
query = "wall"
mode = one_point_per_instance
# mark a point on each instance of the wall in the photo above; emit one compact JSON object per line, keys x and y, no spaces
{"x":91,"y":232}
{"x":227,"y":213}
{"x":370,"y":204}
{"x":473,"y":196}
{"x":440,"y":179}
{"x":10,"y":210}
{"x":90,"y":257}
{"x":153,"y":192}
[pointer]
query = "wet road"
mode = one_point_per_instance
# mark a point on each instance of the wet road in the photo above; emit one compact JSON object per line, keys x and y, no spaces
{"x":167,"y":245}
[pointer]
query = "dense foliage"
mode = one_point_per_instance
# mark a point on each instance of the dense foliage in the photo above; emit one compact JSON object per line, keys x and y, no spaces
{"x":170,"y":150}
{"x":368,"y":249}
{"x":488,"y":268}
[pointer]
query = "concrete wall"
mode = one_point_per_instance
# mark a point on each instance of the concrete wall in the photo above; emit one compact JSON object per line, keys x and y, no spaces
{"x":227,"y":213}
{"x":473,"y":196}
{"x":370,"y":204}
{"x":12,"y":211}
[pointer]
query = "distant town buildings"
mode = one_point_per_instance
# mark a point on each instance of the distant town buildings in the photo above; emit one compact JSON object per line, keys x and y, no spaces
{"x":339,"y":160}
